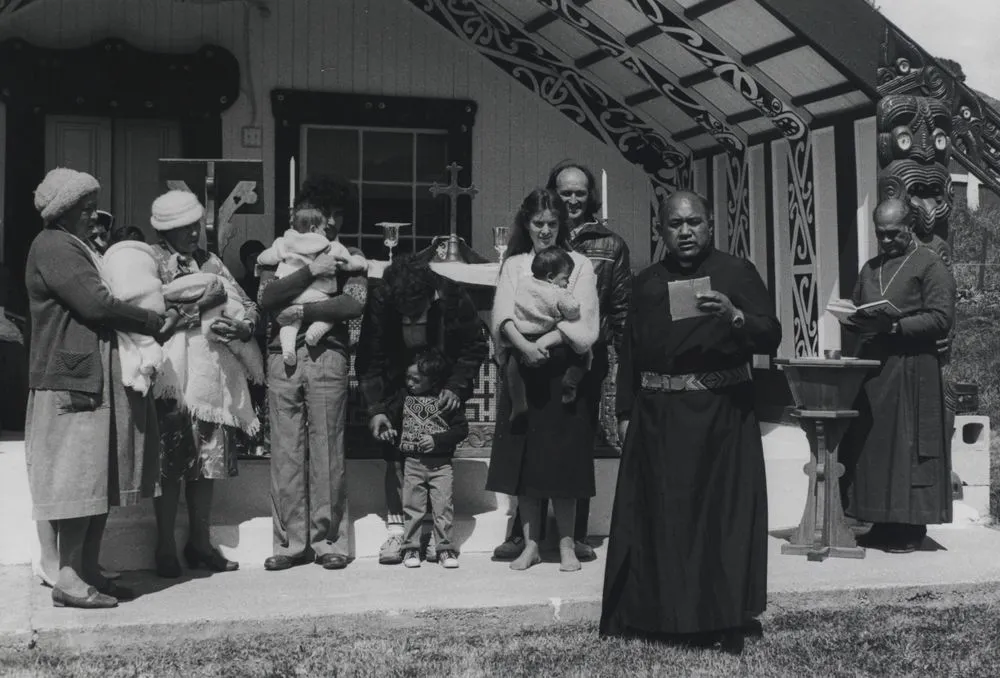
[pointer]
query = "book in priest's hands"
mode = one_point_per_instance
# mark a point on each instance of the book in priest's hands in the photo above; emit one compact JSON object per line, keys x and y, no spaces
{"x":843,"y":309}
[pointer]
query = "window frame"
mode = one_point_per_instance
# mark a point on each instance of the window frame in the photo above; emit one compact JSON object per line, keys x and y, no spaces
{"x":295,"y":109}
{"x":413,"y":240}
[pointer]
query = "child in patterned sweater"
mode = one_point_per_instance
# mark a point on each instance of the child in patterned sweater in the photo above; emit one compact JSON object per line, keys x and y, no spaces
{"x":427,"y":437}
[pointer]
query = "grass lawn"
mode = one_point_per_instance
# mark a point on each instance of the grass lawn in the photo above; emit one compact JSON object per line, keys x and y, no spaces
{"x":900,"y":632}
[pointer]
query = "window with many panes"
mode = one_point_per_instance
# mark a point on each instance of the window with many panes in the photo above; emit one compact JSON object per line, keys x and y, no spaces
{"x":392,"y":170}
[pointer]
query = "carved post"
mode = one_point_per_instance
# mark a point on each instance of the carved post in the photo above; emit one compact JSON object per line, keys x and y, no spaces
{"x":925,"y":115}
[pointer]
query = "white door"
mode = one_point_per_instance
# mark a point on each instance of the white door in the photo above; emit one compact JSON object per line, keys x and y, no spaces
{"x":83,"y":144}
{"x":124,"y":156}
{"x":138,"y":147}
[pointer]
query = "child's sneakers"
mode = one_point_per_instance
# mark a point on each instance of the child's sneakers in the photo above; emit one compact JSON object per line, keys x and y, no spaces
{"x":411,"y":558}
{"x":448,"y":559}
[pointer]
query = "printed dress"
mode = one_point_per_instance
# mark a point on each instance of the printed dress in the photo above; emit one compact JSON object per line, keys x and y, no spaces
{"x":190,"y":448}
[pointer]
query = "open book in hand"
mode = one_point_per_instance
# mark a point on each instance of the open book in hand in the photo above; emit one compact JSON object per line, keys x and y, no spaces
{"x":843,"y":309}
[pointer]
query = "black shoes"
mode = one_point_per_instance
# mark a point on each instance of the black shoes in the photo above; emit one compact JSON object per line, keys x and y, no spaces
{"x":213,"y":560}
{"x":278,"y":563}
{"x":332,"y":561}
{"x":328,"y":561}
{"x":94,"y":600}
{"x":168,"y":567}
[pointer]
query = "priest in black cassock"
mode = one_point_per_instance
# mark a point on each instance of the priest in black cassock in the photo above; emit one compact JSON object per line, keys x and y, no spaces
{"x":687,"y":554}
{"x":898,"y":474}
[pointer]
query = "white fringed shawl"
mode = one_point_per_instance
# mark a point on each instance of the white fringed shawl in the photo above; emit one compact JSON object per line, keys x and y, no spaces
{"x":205,"y":375}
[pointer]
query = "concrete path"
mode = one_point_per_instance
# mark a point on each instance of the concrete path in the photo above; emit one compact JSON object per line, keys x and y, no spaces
{"x":961,"y":555}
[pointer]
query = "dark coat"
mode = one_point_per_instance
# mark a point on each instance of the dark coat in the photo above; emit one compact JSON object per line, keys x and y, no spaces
{"x":609,"y":254}
{"x":453,"y":327}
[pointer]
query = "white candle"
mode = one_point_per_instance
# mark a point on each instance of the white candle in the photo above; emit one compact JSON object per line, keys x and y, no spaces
{"x":291,"y":182}
{"x":604,"y":195}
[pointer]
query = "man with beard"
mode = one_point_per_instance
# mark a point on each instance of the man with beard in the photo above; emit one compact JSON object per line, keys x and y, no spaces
{"x":607,"y":251}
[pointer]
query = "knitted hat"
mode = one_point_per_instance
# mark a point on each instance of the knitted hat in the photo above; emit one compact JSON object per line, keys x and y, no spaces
{"x":175,"y":209}
{"x":60,"y":190}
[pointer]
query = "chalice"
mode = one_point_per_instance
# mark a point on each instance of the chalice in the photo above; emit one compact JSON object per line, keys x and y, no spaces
{"x":390,"y":233}
{"x":501,"y":234}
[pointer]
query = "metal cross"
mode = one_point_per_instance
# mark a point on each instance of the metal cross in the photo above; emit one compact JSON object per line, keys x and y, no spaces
{"x":453,"y":191}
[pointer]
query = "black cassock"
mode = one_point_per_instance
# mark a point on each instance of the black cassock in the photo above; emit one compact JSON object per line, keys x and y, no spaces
{"x":687,"y":550}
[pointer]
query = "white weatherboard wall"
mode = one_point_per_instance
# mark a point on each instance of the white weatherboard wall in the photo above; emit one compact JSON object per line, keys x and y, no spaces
{"x":381,"y":47}
{"x":866,"y":161}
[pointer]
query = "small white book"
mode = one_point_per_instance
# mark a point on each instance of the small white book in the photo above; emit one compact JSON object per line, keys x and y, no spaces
{"x":843,"y":309}
{"x":684,"y":297}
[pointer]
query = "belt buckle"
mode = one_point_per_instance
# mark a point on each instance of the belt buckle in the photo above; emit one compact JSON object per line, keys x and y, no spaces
{"x":676,"y":382}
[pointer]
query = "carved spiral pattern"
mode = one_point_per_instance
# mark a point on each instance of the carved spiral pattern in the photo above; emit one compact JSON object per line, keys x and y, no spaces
{"x":559,"y":84}
{"x":738,"y":205}
{"x":645,"y":70}
{"x":785,"y":119}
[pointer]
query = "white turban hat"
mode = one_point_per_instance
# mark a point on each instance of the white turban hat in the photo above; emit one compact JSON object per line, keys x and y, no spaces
{"x":60,"y":190}
{"x":175,"y":209}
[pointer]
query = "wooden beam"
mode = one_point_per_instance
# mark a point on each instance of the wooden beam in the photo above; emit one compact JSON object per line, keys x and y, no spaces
{"x":643,"y":35}
{"x":588,"y":60}
{"x":743,"y":116}
{"x":704,"y":7}
{"x":689,"y":81}
{"x":770,"y":51}
{"x":708,"y":152}
{"x":689,"y":133}
{"x":539,"y":22}
{"x":826,"y":93}
{"x":764,"y":137}
{"x":846,"y":115}
{"x":642,"y":97}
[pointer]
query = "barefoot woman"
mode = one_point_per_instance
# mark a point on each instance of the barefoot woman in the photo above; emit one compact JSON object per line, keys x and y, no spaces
{"x":547,"y":453}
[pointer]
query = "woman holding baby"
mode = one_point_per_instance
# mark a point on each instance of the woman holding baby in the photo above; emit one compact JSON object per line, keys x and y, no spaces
{"x":90,"y":442}
{"x":203,"y":401}
{"x":542,"y":339}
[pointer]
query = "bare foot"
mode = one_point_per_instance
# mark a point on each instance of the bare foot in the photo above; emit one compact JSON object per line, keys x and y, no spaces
{"x":528,"y":557}
{"x":568,"y":562}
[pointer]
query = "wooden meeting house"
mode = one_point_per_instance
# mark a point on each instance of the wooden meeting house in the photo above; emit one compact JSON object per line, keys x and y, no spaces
{"x":767,"y":107}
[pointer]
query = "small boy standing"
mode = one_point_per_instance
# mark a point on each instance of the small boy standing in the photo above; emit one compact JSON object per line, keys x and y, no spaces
{"x":427,"y":438}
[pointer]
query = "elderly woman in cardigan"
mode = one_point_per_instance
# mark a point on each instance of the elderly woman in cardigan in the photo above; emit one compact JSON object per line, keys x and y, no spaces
{"x":90,"y":443}
{"x":203,"y":411}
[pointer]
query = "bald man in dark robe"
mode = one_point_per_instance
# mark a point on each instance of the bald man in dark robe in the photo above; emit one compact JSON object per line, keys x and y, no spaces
{"x":896,"y":453}
{"x":687,"y":552}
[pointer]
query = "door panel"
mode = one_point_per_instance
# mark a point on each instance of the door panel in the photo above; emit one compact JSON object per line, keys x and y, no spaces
{"x":83,"y":144}
{"x":138,"y":147}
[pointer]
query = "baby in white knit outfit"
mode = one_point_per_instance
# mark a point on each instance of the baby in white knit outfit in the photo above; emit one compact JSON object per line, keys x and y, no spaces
{"x":540,"y":303}
{"x":293,"y":251}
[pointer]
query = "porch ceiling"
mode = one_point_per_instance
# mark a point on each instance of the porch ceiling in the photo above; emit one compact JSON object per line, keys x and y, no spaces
{"x":714,"y":74}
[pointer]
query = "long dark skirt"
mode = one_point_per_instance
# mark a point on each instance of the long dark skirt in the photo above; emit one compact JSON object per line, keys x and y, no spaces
{"x":897,"y":458}
{"x":687,"y":551}
{"x":549,"y":451}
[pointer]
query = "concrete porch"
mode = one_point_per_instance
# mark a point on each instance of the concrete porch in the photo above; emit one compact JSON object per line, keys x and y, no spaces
{"x":242,"y":510}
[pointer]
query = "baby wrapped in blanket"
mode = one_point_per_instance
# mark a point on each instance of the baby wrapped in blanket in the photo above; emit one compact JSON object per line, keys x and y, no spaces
{"x":129,"y":270}
{"x":293,"y":251}
{"x":203,"y":371}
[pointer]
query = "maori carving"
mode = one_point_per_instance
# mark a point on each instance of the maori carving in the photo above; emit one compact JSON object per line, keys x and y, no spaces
{"x":563,"y":86}
{"x":729,"y":70}
{"x":974,"y":129}
{"x":572,"y":15}
{"x":913,"y":154}
{"x":802,"y":224}
{"x":738,"y":204}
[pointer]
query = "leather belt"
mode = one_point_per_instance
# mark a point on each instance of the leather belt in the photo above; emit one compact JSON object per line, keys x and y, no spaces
{"x":700,"y":381}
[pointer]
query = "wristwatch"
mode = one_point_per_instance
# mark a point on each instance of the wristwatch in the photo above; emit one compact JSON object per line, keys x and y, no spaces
{"x":738,"y":319}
